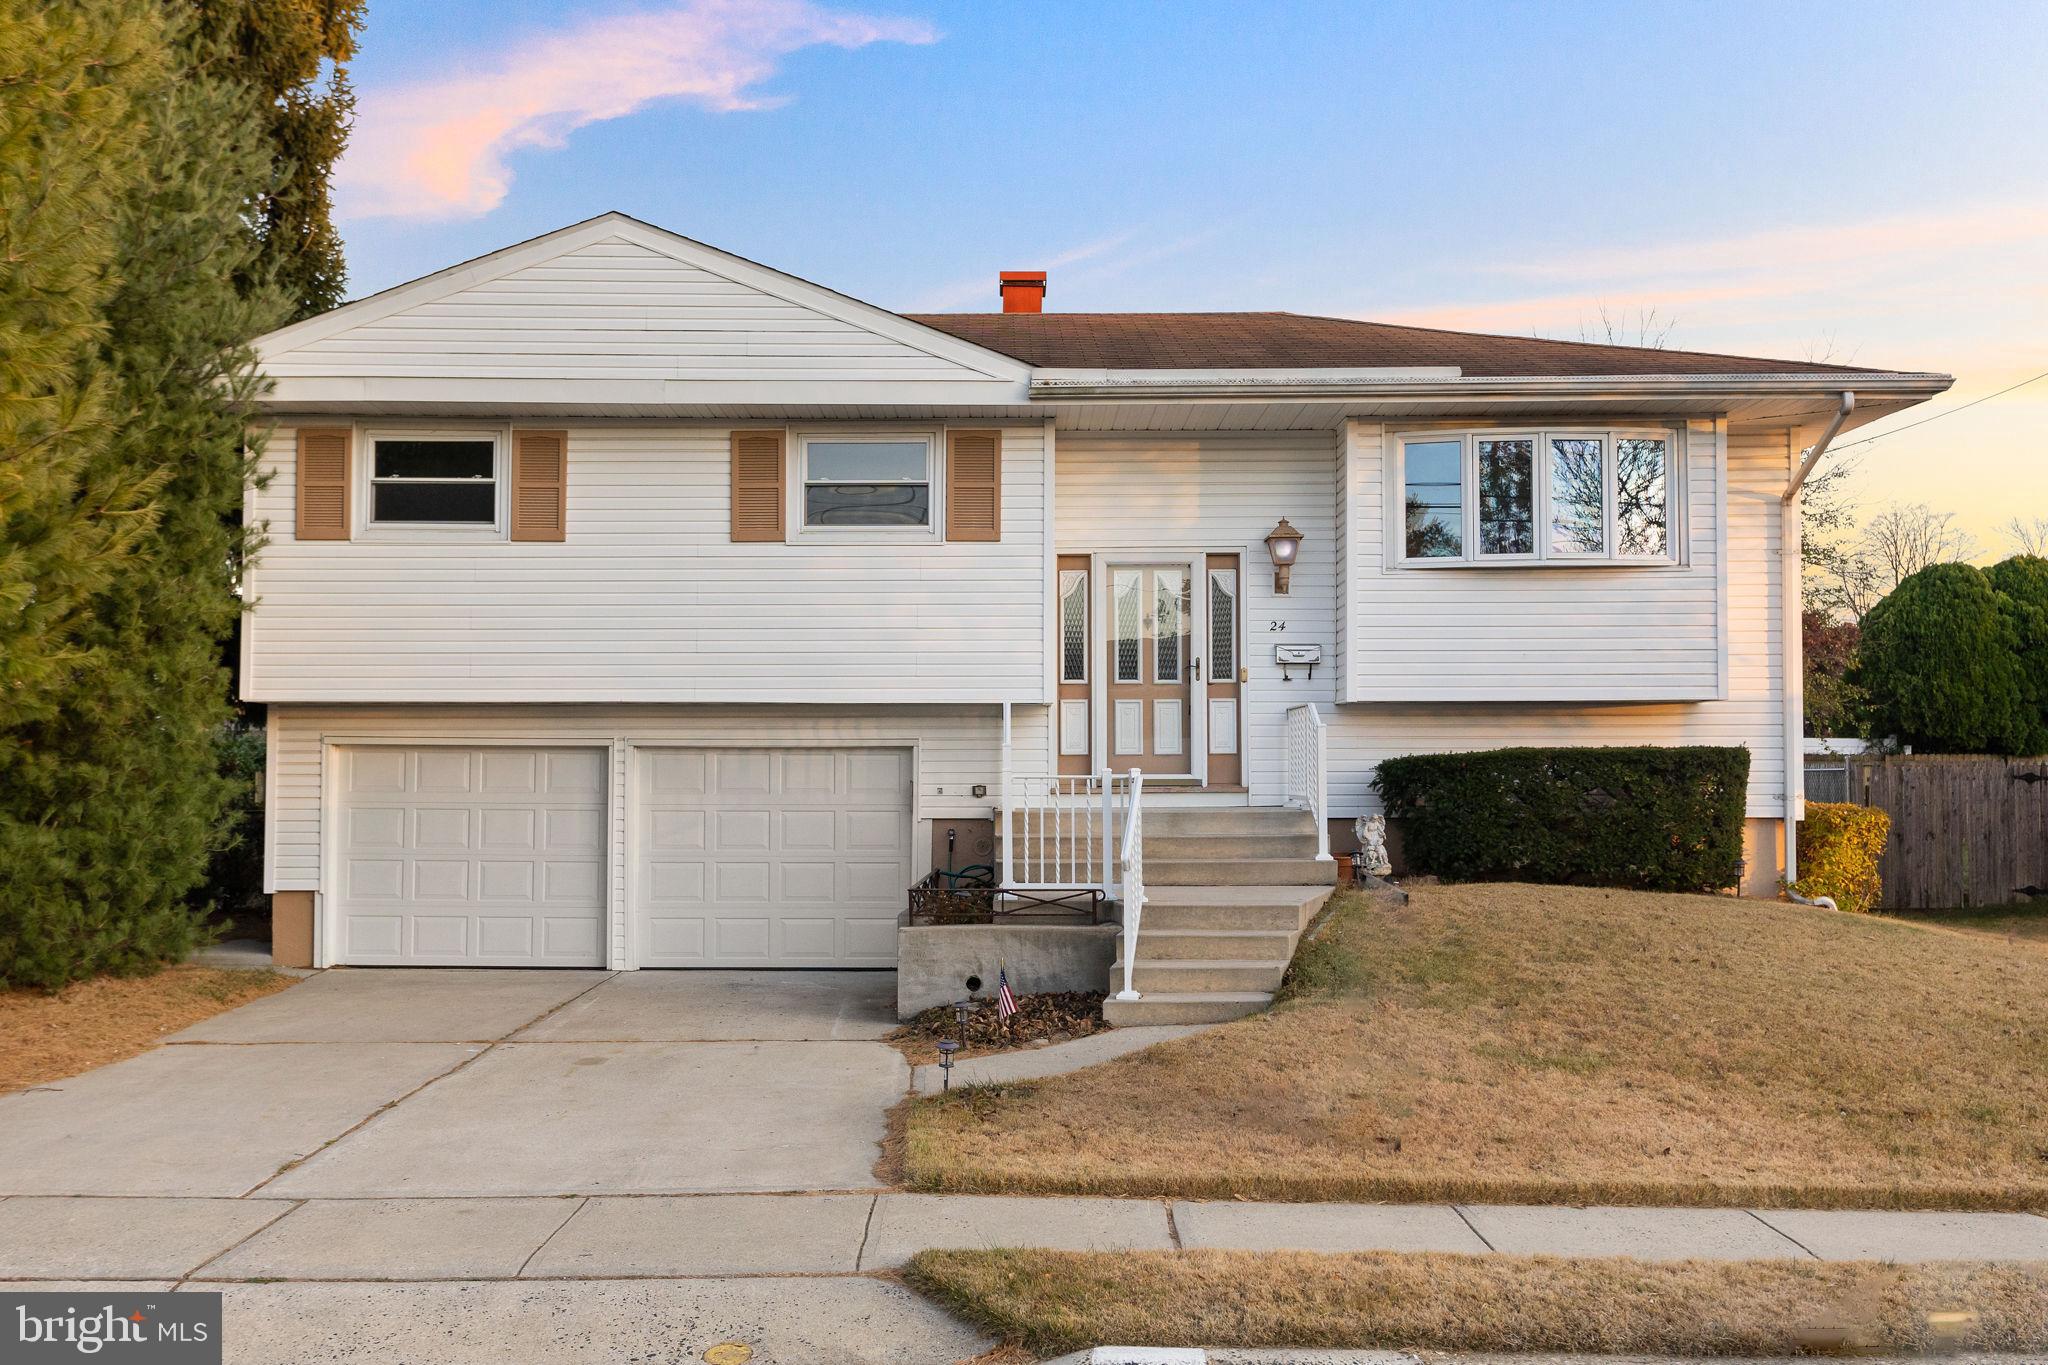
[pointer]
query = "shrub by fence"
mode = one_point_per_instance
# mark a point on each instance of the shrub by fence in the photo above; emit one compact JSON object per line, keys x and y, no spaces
{"x":1840,"y":846}
{"x":1656,"y":819}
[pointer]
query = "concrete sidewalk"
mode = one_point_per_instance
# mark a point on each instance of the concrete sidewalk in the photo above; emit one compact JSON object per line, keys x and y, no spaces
{"x":1296,"y":1355}
{"x":629,"y":1237}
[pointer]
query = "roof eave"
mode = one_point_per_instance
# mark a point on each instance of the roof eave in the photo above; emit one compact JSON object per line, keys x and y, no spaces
{"x":1125,"y":385}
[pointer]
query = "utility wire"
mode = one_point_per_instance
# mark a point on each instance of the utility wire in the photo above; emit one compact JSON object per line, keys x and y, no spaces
{"x":1851,"y":445}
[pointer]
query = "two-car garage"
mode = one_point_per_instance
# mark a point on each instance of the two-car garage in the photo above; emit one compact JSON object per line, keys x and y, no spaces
{"x":503,"y":855}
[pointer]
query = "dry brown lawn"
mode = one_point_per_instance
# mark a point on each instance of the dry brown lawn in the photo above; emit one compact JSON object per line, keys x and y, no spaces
{"x":1545,"y":1044}
{"x":44,"y":1037}
{"x":1054,"y":1301}
{"x":2026,"y":924}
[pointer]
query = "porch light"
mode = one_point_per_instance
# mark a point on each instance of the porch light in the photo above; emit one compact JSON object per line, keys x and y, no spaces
{"x":1283,"y":544}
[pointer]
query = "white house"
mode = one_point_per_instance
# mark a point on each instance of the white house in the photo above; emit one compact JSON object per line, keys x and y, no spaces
{"x":627,"y":602}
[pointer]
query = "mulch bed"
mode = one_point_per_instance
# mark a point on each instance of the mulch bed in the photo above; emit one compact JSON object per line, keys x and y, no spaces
{"x":1040,"y":1020}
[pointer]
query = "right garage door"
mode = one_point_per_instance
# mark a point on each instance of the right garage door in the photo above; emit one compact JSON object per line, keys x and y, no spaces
{"x":771,"y":857}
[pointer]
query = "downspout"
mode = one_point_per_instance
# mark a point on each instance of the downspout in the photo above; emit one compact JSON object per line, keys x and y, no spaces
{"x":1791,"y":571}
{"x":1820,"y":447}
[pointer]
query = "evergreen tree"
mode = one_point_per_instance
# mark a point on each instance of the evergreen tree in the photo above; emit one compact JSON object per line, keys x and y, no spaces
{"x":2023,"y":582}
{"x":1939,"y":659}
{"x":71,"y":78}
{"x":115,"y":802}
{"x":294,"y":55}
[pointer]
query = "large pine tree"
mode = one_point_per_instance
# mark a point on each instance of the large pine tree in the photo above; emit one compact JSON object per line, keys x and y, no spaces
{"x":111,"y":800}
{"x":72,"y":79}
{"x":294,"y":55}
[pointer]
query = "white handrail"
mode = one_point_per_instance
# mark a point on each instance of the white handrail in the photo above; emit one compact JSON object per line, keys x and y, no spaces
{"x":1308,"y":742}
{"x":1133,"y":868}
{"x":1005,"y":830}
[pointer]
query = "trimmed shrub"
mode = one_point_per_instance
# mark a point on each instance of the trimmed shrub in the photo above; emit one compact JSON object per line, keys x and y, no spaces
{"x":1839,"y":847}
{"x":1654,"y":819}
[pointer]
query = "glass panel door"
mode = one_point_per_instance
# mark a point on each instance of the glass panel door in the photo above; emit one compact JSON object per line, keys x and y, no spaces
{"x":1153,"y":663}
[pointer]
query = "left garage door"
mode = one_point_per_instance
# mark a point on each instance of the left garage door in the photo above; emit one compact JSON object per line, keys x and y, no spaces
{"x":484,"y":857}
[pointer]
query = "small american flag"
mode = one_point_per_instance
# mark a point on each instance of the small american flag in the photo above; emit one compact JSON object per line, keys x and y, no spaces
{"x":1006,"y":1003}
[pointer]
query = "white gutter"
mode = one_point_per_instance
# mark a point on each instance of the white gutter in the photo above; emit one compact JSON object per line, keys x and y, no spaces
{"x":1791,"y":646}
{"x":1380,"y":384}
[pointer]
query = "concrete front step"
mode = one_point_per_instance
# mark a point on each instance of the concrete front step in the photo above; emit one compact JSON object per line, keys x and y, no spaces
{"x":1166,"y":1007}
{"x":1231,"y":907}
{"x":1087,"y":853}
{"x":1243,"y":821}
{"x":1239,"y":872}
{"x":1195,"y":945}
{"x":1181,"y":977}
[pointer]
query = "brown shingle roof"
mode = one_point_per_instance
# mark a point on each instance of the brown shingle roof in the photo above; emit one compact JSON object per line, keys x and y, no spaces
{"x":1266,"y":341}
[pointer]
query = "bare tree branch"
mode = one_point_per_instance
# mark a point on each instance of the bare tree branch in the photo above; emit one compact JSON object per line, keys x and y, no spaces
{"x":1893,"y":546}
{"x":1648,"y":329}
{"x":2028,"y":537}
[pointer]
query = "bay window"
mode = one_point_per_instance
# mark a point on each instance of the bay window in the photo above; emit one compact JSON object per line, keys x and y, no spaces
{"x":1535,"y":496}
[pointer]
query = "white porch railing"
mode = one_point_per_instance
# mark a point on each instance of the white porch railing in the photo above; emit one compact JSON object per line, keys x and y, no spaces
{"x":1308,"y":787}
{"x":1132,"y":889}
{"x":1058,"y":833}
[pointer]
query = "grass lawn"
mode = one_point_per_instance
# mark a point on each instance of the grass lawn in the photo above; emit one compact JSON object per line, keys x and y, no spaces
{"x":44,"y":1037}
{"x":2014,"y":923}
{"x":1054,"y":1301}
{"x":1528,"y":1044}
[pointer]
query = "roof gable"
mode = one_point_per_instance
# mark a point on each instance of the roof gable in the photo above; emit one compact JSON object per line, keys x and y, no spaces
{"x":615,"y":302}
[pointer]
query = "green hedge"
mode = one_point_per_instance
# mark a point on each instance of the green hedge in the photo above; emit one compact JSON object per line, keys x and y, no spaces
{"x":1658,"y":819}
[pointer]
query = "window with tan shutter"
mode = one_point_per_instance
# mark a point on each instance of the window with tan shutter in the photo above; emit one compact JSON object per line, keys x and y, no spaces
{"x":757,"y":487}
{"x":974,"y":485}
{"x":322,"y":495}
{"x":540,"y":485}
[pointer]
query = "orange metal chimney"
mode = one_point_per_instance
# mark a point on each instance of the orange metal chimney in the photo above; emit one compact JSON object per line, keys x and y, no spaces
{"x":1023,"y":291}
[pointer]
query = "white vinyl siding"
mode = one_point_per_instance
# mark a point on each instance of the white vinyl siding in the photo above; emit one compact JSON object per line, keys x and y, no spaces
{"x":1222,"y":493}
{"x":1751,"y":713}
{"x":1529,"y":633}
{"x":649,"y":599}
{"x":1227,"y":492}
{"x":610,"y":311}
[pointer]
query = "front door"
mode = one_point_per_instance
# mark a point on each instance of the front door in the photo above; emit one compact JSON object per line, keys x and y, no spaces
{"x":1151,"y":669}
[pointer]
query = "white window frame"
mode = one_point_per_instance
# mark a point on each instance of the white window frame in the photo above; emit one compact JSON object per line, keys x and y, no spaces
{"x":800,"y":443}
{"x":365,"y":464}
{"x":1543,"y":556}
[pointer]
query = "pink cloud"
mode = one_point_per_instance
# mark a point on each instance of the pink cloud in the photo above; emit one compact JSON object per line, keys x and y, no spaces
{"x":440,"y":148}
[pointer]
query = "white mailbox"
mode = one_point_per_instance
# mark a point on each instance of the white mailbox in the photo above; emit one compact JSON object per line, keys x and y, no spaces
{"x":1291,"y":657}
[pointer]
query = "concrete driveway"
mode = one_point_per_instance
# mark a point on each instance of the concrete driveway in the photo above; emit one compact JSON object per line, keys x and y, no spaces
{"x":366,"y":1082}
{"x":436,"y":1127}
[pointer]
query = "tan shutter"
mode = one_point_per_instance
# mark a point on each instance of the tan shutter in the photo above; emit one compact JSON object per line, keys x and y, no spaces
{"x":974,"y":485}
{"x":322,"y":493}
{"x":540,"y":485}
{"x":757,"y":467}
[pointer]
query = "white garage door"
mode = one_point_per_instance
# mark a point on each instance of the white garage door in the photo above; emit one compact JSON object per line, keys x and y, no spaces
{"x":772,"y":857}
{"x":482,"y":857}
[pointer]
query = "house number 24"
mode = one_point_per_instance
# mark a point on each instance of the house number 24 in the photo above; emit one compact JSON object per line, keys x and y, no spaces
{"x":1275,"y":627}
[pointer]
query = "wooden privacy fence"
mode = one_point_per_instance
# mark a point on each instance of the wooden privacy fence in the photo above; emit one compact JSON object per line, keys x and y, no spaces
{"x":1967,"y":829}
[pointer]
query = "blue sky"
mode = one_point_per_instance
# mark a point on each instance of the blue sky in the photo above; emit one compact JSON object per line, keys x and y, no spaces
{"x":1866,"y":181}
